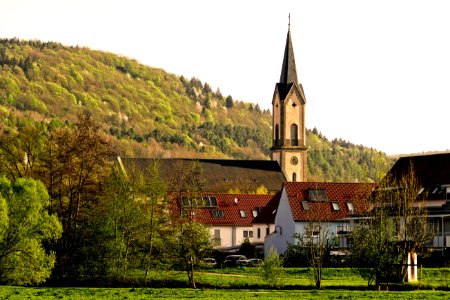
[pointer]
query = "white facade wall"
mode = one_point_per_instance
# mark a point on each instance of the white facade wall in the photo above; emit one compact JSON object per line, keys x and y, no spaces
{"x":263,"y":228}
{"x":284,"y":225}
{"x":231,"y":236}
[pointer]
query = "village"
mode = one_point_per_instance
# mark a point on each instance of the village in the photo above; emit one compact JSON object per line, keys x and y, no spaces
{"x":123,"y":181}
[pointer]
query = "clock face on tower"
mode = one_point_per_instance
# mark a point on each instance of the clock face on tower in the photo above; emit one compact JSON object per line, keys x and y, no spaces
{"x":294,"y":160}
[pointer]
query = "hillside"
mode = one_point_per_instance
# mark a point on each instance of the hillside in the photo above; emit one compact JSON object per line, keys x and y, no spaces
{"x":151,"y":113}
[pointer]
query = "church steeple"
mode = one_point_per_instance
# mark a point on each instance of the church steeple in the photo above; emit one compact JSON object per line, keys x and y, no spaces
{"x":289,"y":132}
{"x":288,"y":70}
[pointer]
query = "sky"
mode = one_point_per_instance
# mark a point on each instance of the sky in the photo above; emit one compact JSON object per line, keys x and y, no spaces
{"x":375,"y":72}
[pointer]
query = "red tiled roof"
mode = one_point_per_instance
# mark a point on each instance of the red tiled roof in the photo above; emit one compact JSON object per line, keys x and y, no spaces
{"x":341,"y":193}
{"x":231,"y":205}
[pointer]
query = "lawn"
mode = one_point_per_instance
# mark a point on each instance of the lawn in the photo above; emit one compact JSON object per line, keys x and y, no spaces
{"x":244,"y":283}
{"x":184,"y":293}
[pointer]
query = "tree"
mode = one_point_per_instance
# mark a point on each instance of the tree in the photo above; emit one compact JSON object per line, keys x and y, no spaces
{"x":247,"y":249}
{"x":75,"y":166}
{"x":25,"y":226}
{"x":316,"y":242}
{"x":21,"y":153}
{"x":271,"y":269}
{"x":396,"y":226}
{"x":229,"y":102}
{"x":192,"y":240}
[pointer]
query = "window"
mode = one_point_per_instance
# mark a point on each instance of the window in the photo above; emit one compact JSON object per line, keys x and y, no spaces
{"x":259,"y":233}
{"x":350,"y":207}
{"x":205,"y":201}
{"x":294,"y":177}
{"x":294,"y":135}
{"x":335,"y":205}
{"x":267,"y":230}
{"x":217,"y":214}
{"x":305,"y":205}
{"x":243,"y":213}
{"x":248,"y":234}
{"x":317,"y":195}
{"x":343,"y":229}
{"x":216,"y":239}
{"x":255,"y":213}
{"x":312,"y":230}
{"x":277,"y":134}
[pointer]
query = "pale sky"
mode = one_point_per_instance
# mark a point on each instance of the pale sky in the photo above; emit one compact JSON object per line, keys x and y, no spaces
{"x":375,"y":72}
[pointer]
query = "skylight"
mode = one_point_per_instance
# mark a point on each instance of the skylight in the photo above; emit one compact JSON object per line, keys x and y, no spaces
{"x":305,"y":205}
{"x":217,"y":214}
{"x":317,"y":195}
{"x":350,"y":206}
{"x":243,"y":213}
{"x":205,"y":201}
{"x":335,"y":205}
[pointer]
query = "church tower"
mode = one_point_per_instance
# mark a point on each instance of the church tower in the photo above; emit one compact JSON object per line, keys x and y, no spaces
{"x":289,"y":132}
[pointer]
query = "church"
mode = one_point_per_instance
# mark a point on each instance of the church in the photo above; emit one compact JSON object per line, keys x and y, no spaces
{"x":288,"y":153}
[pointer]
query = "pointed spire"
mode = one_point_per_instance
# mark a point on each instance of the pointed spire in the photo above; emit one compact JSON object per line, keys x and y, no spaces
{"x":288,"y":70}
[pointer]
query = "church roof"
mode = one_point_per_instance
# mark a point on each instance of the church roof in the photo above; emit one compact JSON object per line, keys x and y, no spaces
{"x":221,"y":175}
{"x":288,"y":70}
{"x":288,"y":77}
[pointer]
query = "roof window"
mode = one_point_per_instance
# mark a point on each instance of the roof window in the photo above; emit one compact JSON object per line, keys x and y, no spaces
{"x":305,"y":205}
{"x":243,"y":213}
{"x":335,"y":205}
{"x":350,"y":206}
{"x":317,"y":195}
{"x":217,"y":213}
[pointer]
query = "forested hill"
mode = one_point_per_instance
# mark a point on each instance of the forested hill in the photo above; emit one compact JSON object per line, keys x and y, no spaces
{"x":151,"y":113}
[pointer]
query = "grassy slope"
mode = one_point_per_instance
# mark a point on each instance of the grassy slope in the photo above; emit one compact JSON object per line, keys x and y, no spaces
{"x":150,"y":113}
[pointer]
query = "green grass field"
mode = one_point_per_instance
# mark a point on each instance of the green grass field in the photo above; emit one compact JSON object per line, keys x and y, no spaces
{"x":244,"y":283}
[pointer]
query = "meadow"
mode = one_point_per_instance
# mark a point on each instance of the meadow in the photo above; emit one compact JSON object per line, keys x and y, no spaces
{"x":244,"y":283}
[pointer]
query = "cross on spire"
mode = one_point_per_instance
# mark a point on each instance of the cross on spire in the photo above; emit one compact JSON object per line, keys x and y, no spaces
{"x":289,"y":23}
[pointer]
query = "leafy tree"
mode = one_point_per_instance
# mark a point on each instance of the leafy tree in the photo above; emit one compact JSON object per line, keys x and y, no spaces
{"x":229,"y":102}
{"x":192,"y":240}
{"x":25,"y":225}
{"x":21,"y":153}
{"x":316,"y":242}
{"x":76,"y":163}
{"x":394,"y":227}
{"x":191,"y":244}
{"x":271,"y":269}
{"x":247,"y":249}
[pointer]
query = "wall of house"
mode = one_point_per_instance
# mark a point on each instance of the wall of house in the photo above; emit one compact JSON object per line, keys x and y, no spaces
{"x":231,"y":235}
{"x":263,"y":228}
{"x":334,"y":230}
{"x":284,"y":225}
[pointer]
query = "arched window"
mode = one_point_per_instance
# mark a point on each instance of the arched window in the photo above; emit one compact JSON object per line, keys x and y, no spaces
{"x":294,"y":176}
{"x":294,"y":135}
{"x":277,"y":135}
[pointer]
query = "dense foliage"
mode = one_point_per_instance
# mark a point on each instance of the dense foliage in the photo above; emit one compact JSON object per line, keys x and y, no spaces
{"x":150,"y":113}
{"x":25,"y":227}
